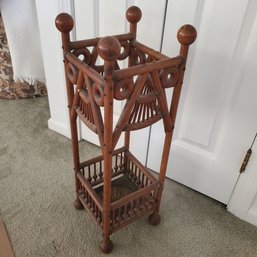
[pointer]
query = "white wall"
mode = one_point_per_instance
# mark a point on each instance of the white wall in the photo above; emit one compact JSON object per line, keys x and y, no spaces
{"x":52,"y":57}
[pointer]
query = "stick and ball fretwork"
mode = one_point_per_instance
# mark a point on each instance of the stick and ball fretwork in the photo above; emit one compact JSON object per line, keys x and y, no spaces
{"x":115,"y":188}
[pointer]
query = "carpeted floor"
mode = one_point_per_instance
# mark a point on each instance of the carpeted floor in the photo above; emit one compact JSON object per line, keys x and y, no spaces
{"x":37,"y":193}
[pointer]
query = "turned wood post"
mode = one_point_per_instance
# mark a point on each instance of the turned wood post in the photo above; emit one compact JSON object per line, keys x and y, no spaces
{"x":133,"y":16}
{"x":109,"y":49}
{"x":64,"y":23}
{"x":186,"y":36}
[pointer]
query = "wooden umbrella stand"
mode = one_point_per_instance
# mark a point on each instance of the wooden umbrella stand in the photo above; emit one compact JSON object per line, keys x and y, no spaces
{"x":115,"y":188}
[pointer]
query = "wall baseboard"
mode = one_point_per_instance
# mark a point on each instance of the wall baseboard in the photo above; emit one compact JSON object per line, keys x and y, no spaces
{"x":59,"y":128}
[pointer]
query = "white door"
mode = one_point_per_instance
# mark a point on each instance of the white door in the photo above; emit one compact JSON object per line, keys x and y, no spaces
{"x":243,"y":118}
{"x":209,"y":143}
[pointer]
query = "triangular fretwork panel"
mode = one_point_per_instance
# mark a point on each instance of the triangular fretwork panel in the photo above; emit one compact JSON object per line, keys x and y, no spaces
{"x":85,"y":105}
{"x":146,"y":110}
{"x":146,"y":105}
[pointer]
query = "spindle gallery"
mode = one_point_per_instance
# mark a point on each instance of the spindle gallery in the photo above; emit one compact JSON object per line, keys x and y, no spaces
{"x":115,"y":188}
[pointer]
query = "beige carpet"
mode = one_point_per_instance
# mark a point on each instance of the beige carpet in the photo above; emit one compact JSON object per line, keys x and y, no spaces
{"x":37,"y":193}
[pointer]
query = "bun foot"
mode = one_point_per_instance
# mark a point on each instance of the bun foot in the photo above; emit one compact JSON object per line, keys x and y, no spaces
{"x":78,"y":205}
{"x":106,"y":246}
{"x":154,"y":219}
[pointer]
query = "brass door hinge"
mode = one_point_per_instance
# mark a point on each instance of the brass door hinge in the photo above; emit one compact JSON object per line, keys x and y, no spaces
{"x":246,"y":160}
{"x":247,"y":157}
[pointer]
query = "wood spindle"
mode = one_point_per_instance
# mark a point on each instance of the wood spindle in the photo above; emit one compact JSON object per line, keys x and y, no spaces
{"x":144,"y":112}
{"x":116,"y":163}
{"x":86,"y":112}
{"x":142,"y":180}
{"x":131,"y":211}
{"x":89,"y":201}
{"x":151,"y":108}
{"x":138,"y":181}
{"x":121,"y":161}
{"x":140,"y":113}
{"x":80,"y":106}
{"x":91,"y":115}
{"x":98,"y":219}
{"x":95,"y":174}
{"x":86,"y":196}
{"x":89,"y":178}
{"x":142,"y":204}
{"x":125,"y":212}
{"x":128,"y":169}
{"x":100,"y":170}
{"x":113,"y":218}
{"x":147,"y":111}
{"x":83,"y":108}
{"x":94,"y":210}
{"x":118,"y":217}
{"x":135,"y":113}
{"x":137,"y":209}
{"x":132,"y":170}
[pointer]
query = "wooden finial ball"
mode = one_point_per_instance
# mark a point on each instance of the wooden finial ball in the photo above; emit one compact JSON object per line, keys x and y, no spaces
{"x":64,"y":22}
{"x":133,"y":14}
{"x":186,"y":34}
{"x":108,"y":48}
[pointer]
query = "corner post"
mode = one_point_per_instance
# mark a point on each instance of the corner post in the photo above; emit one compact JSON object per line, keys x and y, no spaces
{"x":64,"y":23}
{"x":186,"y":36}
{"x":108,"y":48}
{"x":133,"y":16}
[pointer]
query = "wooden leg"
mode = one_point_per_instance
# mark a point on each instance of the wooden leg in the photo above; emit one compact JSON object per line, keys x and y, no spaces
{"x":126,"y":144}
{"x":77,"y":204}
{"x":106,"y":244}
{"x":154,"y":218}
{"x":75,"y":151}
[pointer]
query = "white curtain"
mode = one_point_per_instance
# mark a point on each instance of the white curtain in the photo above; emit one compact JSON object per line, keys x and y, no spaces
{"x":21,"y":26}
